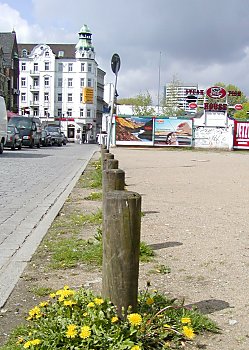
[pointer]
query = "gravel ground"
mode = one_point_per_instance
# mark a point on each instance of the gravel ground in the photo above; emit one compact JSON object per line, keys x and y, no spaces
{"x":196,"y":207}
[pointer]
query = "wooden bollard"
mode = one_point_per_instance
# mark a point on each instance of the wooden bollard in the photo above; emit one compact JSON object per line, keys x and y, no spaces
{"x":121,"y":246}
{"x":107,"y":156}
{"x":103,"y":152}
{"x":110,"y":164}
{"x":112,"y":179}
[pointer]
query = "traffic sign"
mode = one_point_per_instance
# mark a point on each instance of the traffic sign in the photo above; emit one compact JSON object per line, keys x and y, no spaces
{"x":115,"y":63}
{"x":238,"y":107}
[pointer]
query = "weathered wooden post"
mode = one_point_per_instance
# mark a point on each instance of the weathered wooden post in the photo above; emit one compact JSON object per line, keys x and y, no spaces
{"x":103,"y":152}
{"x":112,"y":179}
{"x":121,"y":246}
{"x":107,"y":156}
{"x":110,"y":164}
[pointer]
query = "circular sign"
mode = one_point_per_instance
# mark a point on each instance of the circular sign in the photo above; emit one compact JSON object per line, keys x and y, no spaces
{"x":238,"y":107}
{"x":216,"y":92}
{"x":115,"y":63}
{"x":192,"y":105}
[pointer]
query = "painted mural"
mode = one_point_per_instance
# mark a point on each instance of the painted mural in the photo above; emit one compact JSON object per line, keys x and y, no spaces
{"x":208,"y":137}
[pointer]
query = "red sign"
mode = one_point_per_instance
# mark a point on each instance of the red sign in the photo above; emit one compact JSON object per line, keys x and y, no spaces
{"x":192,"y":105}
{"x":241,"y":135}
{"x":216,"y":92}
{"x":238,"y":107}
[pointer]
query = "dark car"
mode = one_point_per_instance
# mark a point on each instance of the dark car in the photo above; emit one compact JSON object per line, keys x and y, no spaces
{"x":14,"y":139}
{"x":55,"y":132}
{"x":46,"y":138}
{"x":64,"y":138}
{"x":30,"y":130}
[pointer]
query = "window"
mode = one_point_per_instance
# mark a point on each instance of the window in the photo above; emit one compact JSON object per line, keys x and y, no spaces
{"x":23,"y":66}
{"x":46,"y":65}
{"x":36,"y":96}
{"x":89,"y":67}
{"x":89,"y":82}
{"x":23,"y":97}
{"x":60,"y":53}
{"x":35,"y":67}
{"x":46,"y":114}
{"x":59,"y":112}
{"x":82,"y":67}
{"x":47,"y":54}
{"x":70,"y":82}
{"x":81,"y":97}
{"x":88,"y":113}
{"x":82,"y":81}
{"x":60,"y":67}
{"x":69,"y":112}
{"x":69,"y":97}
{"x":24,"y":53}
{"x":59,"y":97}
{"x":23,"y":82}
{"x":59,"y":82}
{"x":46,"y":96}
{"x":36,"y":81}
{"x":36,"y":112}
{"x":70,"y":67}
{"x":81,"y":112}
{"x":90,"y":56}
{"x":46,"y":81}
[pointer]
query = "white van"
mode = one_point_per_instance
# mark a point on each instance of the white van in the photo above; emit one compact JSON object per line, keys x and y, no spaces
{"x":3,"y":124}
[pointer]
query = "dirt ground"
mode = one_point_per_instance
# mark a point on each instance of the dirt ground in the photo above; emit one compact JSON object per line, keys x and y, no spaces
{"x":196,"y":206}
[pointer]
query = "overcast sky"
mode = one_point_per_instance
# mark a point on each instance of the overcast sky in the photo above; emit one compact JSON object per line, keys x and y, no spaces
{"x":197,"y":41}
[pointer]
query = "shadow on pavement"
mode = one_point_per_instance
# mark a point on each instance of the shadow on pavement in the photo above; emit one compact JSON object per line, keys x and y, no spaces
{"x":158,"y":246}
{"x":209,"y":306}
{"x":23,"y":155}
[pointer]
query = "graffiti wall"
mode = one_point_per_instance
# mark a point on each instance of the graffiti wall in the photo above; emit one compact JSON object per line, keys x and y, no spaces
{"x":208,"y":137}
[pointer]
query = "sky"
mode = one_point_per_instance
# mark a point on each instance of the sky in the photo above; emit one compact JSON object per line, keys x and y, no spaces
{"x":195,"y":41}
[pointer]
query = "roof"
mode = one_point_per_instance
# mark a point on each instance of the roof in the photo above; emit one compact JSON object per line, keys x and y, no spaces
{"x":69,"y":49}
{"x":8,"y":42}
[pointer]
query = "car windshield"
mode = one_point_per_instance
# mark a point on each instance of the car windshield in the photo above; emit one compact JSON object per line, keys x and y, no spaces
{"x":11,"y":129}
{"x":20,"y":122}
{"x":53,"y":129}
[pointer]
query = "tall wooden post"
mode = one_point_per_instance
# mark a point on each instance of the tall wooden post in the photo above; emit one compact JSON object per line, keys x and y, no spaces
{"x":112,"y":179}
{"x":121,"y":245}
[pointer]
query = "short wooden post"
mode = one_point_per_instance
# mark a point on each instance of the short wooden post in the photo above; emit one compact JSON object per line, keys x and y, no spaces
{"x":112,"y":179}
{"x":103,"y":152}
{"x":110,"y":164}
{"x":107,"y":156}
{"x":121,"y":246}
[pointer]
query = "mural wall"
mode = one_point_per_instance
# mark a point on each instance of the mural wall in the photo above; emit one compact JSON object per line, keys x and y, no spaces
{"x":208,"y":137}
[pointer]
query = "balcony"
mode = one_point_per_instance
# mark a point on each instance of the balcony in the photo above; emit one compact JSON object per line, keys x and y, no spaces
{"x":34,"y":72}
{"x":34,"y":103}
{"x":34,"y":87}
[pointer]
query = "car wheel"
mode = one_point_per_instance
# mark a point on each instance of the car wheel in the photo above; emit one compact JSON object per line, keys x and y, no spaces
{"x":1,"y":147}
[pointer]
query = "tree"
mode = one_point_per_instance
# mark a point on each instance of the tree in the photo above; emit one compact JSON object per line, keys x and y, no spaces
{"x":233,"y":100}
{"x":170,"y":104}
{"x":244,"y":113}
{"x":142,"y":105}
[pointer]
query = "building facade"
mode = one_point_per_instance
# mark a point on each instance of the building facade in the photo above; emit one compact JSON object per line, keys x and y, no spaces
{"x":9,"y":70}
{"x":62,"y":82}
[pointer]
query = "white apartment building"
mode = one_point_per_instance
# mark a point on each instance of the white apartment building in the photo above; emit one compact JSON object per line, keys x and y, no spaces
{"x":62,"y":82}
{"x":175,"y":95}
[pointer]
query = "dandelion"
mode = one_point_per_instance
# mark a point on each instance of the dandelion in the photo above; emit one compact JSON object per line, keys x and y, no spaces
{"x":71,"y":331}
{"x":43,"y":304}
{"x":166,"y":325}
{"x":135,"y":319}
{"x":149,"y":301}
{"x":30,"y":343}
{"x":98,"y":301}
{"x":85,"y":332}
{"x":185,"y":320}
{"x":52,"y":295}
{"x":91,"y":304}
{"x":114,"y":319}
{"x":34,"y":313}
{"x":19,"y":340}
{"x":69,"y":302}
{"x":136,"y":347}
{"x":27,"y":344}
{"x":85,"y":314}
{"x":188,"y":332}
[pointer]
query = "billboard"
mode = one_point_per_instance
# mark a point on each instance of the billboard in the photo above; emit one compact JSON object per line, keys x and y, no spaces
{"x":173,"y":132}
{"x":133,"y":130}
{"x":87,"y":95}
{"x":241,"y":134}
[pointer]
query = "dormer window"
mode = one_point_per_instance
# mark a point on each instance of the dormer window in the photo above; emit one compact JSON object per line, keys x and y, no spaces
{"x":61,"y":54}
{"x":24,"y":53}
{"x":47,"y":54}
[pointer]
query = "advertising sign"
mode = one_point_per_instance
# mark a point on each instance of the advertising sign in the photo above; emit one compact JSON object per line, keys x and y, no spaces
{"x":241,"y":135}
{"x":132,"y":130}
{"x":173,"y":132}
{"x":216,"y":92}
{"x":87,"y":95}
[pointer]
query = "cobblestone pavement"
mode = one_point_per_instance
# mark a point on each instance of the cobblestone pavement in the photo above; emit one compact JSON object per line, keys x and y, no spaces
{"x":34,"y":183}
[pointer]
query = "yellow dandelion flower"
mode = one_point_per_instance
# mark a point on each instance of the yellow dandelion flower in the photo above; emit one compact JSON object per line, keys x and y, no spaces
{"x":35,"y":312}
{"x":114,"y":319}
{"x":150,"y":301}
{"x":91,"y":304}
{"x":188,"y":332}
{"x":69,"y":302}
{"x":44,"y":303}
{"x":135,"y":319}
{"x":166,"y":325}
{"x":85,"y":314}
{"x":85,"y":332}
{"x":136,"y":347}
{"x":71,"y":331}
{"x":35,"y":341}
{"x":27,"y":345}
{"x":98,"y":301}
{"x":19,"y":340}
{"x":61,"y":298}
{"x":185,"y":320}
{"x":66,"y":287}
{"x":52,"y":295}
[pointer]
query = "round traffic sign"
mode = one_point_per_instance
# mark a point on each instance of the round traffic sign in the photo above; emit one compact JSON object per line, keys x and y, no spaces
{"x":115,"y":63}
{"x":238,"y":107}
{"x":192,"y":105}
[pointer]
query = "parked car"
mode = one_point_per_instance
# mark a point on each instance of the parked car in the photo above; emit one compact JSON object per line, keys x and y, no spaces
{"x":30,"y":130}
{"x":46,"y":138}
{"x":14,"y":139}
{"x":55,"y":132}
{"x":64,"y":138}
{"x":3,"y":124}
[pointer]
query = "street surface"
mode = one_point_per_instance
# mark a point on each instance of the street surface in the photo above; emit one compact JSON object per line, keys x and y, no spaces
{"x":34,"y":184}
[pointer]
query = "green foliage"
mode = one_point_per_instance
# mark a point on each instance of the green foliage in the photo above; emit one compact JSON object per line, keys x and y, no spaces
{"x":41,"y":291}
{"x":233,"y":100}
{"x":146,"y":252}
{"x":141,"y":105}
{"x":93,"y":176}
{"x":243,"y":113}
{"x":94,"y":196}
{"x":80,"y":320}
